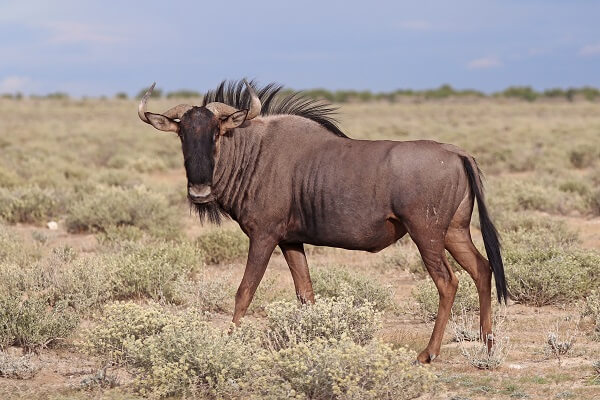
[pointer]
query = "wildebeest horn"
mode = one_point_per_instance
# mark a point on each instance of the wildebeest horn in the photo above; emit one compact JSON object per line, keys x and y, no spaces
{"x":255,"y":105}
{"x":221,"y":109}
{"x":172,"y":113}
{"x":143,"y":102}
{"x":177,"y":111}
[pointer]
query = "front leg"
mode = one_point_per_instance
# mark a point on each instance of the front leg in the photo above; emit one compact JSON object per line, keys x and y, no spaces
{"x":259,"y":254}
{"x":296,"y":260}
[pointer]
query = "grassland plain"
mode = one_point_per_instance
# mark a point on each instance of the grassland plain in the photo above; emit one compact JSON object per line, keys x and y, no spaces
{"x":132,"y":297}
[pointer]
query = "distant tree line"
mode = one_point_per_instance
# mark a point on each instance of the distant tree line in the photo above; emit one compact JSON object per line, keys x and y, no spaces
{"x":526,"y":93}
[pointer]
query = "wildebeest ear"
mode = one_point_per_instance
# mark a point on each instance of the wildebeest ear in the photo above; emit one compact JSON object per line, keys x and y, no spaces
{"x":233,"y":121}
{"x":162,"y":123}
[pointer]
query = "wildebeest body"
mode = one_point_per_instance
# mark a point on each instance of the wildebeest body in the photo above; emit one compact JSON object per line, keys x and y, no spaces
{"x":321,"y":189}
{"x":296,"y":178}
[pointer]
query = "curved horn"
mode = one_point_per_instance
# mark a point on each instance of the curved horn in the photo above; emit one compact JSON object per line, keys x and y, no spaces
{"x":143,"y":102}
{"x":221,"y":109}
{"x":177,"y":111}
{"x":255,"y":105}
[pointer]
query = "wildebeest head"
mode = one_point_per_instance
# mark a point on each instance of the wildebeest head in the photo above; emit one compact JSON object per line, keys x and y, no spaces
{"x":199,"y":129}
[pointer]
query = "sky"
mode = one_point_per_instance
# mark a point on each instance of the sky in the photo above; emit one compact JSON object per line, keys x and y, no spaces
{"x":93,"y":48}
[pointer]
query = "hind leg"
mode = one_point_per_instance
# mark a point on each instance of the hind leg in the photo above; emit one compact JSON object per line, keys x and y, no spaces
{"x":432,"y":251}
{"x":459,"y":243}
{"x":296,"y":260}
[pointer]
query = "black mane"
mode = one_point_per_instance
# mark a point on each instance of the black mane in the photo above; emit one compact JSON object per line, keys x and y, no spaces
{"x":276,"y":103}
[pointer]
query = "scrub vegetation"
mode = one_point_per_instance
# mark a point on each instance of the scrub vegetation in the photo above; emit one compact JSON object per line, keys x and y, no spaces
{"x":111,"y":288}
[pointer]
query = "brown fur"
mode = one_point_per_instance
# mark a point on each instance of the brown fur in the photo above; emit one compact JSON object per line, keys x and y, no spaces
{"x":288,"y":180}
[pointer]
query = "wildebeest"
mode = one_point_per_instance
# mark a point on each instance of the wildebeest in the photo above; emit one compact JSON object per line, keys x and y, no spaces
{"x":281,"y":168}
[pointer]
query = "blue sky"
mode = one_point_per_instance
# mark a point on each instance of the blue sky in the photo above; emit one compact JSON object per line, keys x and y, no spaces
{"x":100,"y":48}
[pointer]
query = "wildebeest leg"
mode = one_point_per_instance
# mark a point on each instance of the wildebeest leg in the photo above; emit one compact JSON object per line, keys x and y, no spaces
{"x":459,"y":244}
{"x":296,"y":260}
{"x":258,"y":258}
{"x":431,"y":247}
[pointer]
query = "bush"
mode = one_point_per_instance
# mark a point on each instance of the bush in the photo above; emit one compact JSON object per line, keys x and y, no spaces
{"x":592,"y":309}
{"x":206,"y":293}
{"x":583,"y":156}
{"x":542,"y":276}
{"x":427,"y":297}
{"x":14,"y":251}
{"x":40,"y":301}
{"x":122,"y":323}
{"x":338,"y":282}
{"x":28,"y":204}
{"x":153,"y":269}
{"x":520,"y":92}
{"x":525,"y":231}
{"x":223,"y":245}
{"x":289,"y":323}
{"x":17,"y":367}
{"x":182,"y":354}
{"x":8,"y":178}
{"x":32,"y":323}
{"x":339,"y":369}
{"x":115,"y":206}
{"x":174,"y":354}
{"x":530,"y":195}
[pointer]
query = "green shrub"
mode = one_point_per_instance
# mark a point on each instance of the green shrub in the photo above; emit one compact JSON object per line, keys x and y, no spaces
{"x":174,"y":353}
{"x":549,"y":275}
{"x":8,"y":178}
{"x":32,"y":323}
{"x":15,"y":251}
{"x":115,"y":206}
{"x":153,"y":269}
{"x":338,"y":369}
{"x":427,"y":297}
{"x":206,"y":293}
{"x":28,"y":204}
{"x":525,"y":230}
{"x":592,"y":309}
{"x":269,"y":291}
{"x":583,"y":156}
{"x":118,"y":177}
{"x":65,"y":276}
{"x":520,"y":92}
{"x":223,"y":245}
{"x":122,"y":323}
{"x":534,"y":195}
{"x":339,"y":282}
{"x":41,"y":301}
{"x":575,"y":186}
{"x":289,"y":323}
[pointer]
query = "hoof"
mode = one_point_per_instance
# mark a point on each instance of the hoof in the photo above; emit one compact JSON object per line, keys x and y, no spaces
{"x":425,"y":358}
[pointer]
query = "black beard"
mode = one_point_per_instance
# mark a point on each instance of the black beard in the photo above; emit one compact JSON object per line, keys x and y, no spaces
{"x":210,"y":211}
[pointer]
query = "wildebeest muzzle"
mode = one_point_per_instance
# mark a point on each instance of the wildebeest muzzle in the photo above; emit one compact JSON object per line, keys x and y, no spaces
{"x":200,"y":193}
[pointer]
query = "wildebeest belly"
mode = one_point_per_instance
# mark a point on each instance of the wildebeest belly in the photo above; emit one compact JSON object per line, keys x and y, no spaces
{"x":343,"y":199}
{"x":360,"y":235}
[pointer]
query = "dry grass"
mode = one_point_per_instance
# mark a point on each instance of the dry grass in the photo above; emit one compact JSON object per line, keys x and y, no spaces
{"x":120,"y":188}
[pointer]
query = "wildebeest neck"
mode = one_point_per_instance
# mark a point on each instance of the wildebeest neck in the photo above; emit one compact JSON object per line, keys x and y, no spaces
{"x":234,"y":168}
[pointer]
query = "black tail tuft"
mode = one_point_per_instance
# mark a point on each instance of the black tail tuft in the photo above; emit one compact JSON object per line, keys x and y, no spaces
{"x":488,"y":231}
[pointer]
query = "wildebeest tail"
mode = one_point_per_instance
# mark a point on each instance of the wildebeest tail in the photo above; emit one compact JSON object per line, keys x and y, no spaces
{"x":488,"y":230}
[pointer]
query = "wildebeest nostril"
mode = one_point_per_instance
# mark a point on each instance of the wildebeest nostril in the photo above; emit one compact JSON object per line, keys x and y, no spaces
{"x":199,"y":190}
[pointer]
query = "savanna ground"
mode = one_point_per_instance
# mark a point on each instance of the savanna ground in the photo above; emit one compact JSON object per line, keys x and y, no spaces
{"x":131,"y":297}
